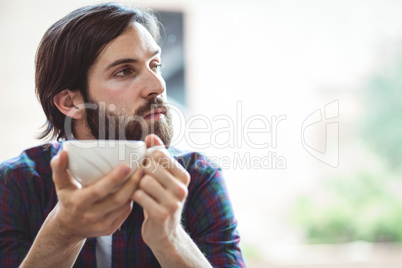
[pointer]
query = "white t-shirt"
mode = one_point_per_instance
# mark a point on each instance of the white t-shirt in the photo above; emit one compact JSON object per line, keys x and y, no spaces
{"x":104,"y":251}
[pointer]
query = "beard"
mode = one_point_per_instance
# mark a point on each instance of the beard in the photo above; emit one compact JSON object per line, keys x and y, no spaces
{"x":108,"y":125}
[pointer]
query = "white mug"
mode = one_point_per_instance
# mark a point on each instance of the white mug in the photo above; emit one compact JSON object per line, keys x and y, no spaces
{"x":90,"y":160}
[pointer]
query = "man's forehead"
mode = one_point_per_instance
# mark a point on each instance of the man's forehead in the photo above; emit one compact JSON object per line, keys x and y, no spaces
{"x":134,"y":42}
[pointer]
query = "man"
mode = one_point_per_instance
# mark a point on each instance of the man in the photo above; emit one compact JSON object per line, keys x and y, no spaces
{"x":98,"y":77}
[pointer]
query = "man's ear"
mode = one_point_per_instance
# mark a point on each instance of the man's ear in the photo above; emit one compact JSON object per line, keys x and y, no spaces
{"x":70,"y":103}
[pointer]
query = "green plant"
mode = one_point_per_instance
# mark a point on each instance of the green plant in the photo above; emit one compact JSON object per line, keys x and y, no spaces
{"x":361,"y":207}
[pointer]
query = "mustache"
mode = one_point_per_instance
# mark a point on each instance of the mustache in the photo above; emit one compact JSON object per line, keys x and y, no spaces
{"x":150,"y":105}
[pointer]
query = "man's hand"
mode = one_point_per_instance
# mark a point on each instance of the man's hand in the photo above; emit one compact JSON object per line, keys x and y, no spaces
{"x":162,"y":193}
{"x":96,"y":210}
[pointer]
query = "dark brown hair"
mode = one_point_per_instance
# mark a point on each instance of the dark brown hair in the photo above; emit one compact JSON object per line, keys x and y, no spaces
{"x":69,"y":48}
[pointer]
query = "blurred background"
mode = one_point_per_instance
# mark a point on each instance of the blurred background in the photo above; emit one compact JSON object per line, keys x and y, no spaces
{"x":299,"y":102}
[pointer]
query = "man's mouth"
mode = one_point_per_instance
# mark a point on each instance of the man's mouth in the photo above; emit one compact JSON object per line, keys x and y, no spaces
{"x":155,"y":114}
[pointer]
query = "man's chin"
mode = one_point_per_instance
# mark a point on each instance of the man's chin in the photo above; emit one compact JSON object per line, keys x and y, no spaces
{"x":161,"y":128}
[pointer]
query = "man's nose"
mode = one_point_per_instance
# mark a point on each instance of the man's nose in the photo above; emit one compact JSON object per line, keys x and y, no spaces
{"x":153,"y":84}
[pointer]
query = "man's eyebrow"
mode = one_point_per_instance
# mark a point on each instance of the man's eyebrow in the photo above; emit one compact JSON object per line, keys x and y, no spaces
{"x":130,"y":60}
{"x":156,"y":52}
{"x":121,"y":61}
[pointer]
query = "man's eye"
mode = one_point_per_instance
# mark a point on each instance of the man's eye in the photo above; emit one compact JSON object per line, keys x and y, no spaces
{"x":124,"y":72}
{"x":157,"y":67}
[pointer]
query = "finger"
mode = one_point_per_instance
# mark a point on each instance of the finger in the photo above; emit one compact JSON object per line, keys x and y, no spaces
{"x":120,"y":219}
{"x":166,"y":159}
{"x":161,"y":195}
{"x":111,"y":221}
{"x":108,"y":184}
{"x":153,"y":140}
{"x":61,"y":177}
{"x":121,"y":196}
{"x":149,"y":205}
{"x":176,"y":187}
{"x":159,"y":161}
{"x":153,"y":188}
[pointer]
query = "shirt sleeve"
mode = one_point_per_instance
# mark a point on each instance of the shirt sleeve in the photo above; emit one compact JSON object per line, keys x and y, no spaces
{"x":210,"y":217}
{"x":14,"y":238}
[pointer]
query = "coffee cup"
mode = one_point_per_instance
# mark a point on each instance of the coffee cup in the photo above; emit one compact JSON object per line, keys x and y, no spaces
{"x":90,"y":160}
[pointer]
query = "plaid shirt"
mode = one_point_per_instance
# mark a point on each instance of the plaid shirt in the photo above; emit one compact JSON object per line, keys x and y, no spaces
{"x":27,"y":195}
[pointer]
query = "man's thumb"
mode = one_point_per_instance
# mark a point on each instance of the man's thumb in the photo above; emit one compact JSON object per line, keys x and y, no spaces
{"x":59,"y":165}
{"x":153,"y":140}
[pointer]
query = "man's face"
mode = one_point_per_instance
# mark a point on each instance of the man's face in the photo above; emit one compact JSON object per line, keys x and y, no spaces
{"x":127,"y":94}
